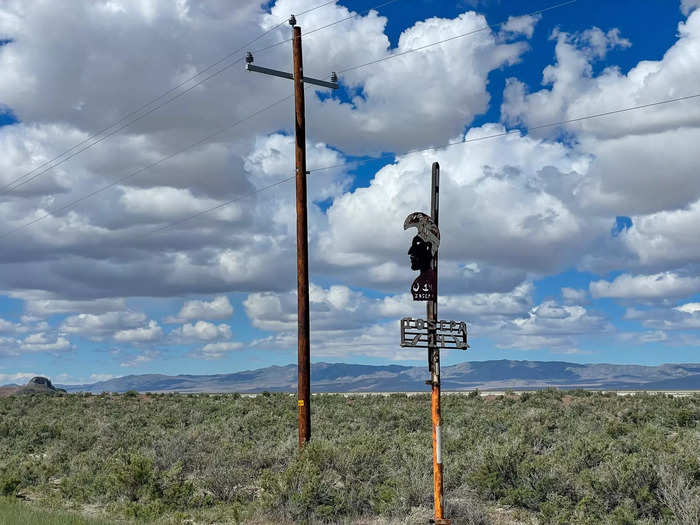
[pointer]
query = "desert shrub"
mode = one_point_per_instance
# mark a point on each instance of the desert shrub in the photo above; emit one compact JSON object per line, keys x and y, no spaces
{"x":679,"y":495}
{"x":561,"y":457}
{"x":224,"y":480}
{"x":132,"y":476}
{"x":9,"y":483}
{"x":463,"y":506}
{"x":498,"y":473}
{"x":175,"y":491}
{"x":310,"y":485}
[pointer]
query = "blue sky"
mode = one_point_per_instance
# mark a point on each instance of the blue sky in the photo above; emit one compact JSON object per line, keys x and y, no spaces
{"x":574,"y":242}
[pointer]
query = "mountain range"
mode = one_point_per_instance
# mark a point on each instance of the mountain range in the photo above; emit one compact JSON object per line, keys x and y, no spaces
{"x":484,"y":375}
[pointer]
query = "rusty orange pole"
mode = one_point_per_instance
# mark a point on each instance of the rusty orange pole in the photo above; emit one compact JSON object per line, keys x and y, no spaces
{"x":434,"y":366}
{"x":304,"y":358}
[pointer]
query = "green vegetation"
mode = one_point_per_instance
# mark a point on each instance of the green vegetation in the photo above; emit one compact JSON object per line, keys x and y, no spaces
{"x":16,"y":513}
{"x":548,"y":457}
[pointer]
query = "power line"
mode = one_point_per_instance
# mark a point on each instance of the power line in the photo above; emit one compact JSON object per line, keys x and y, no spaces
{"x":170,"y":225}
{"x":449,"y":144}
{"x":569,"y":121}
{"x":115,"y":131}
{"x":310,"y":9}
{"x":280,"y":182}
{"x":72,"y":204}
{"x":163,"y":159}
{"x":307,"y":33}
{"x":238,"y":198}
{"x":11,"y":186}
{"x":468,"y":33}
{"x":141,"y":170}
{"x":147,"y":104}
{"x":539,"y":126}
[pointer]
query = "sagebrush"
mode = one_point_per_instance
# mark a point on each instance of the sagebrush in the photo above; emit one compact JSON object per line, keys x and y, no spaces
{"x":551,"y":457}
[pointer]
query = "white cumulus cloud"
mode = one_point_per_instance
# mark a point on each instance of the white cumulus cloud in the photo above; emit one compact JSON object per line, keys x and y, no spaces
{"x":152,"y":332}
{"x":201,"y":331}
{"x":217,"y":350}
{"x":657,"y":286}
{"x":218,"y":308}
{"x":40,"y":342}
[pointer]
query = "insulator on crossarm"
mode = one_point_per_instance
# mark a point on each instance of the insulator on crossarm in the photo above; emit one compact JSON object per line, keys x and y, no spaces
{"x":292,"y":21}
{"x":249,"y":57}
{"x":334,"y":77}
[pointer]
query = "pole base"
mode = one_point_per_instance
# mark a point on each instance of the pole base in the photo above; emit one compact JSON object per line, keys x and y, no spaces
{"x":441,"y":521}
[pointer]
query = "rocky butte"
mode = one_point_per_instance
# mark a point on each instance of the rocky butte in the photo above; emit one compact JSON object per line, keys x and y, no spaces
{"x":39,"y":385}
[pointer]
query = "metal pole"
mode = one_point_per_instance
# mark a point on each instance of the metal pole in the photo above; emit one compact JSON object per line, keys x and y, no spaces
{"x":434,"y":366}
{"x":304,"y":382}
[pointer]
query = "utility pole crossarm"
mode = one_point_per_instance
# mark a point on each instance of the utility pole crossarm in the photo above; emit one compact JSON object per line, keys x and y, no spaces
{"x":284,"y":74}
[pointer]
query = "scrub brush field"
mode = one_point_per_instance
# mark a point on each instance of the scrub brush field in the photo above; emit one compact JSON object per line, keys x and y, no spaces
{"x":548,"y":457}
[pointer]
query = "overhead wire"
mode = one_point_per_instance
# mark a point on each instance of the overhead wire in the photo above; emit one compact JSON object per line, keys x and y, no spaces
{"x":312,"y":9}
{"x":144,"y":106}
{"x":143,"y":169}
{"x":312,"y":31}
{"x":70,"y":152}
{"x":531,"y":128}
{"x":134,"y":173}
{"x":433,"y":148}
{"x":12,"y":186}
{"x":178,"y":95}
{"x":224,"y":204}
{"x":115,"y":131}
{"x":455,"y":37}
{"x":307,"y":33}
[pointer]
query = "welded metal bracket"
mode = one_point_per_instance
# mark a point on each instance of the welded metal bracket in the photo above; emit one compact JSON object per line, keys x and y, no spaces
{"x":417,"y":333}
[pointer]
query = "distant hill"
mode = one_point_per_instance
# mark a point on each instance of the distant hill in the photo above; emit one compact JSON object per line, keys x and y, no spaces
{"x":485,"y":375}
{"x":8,"y":390}
{"x":36,"y":385}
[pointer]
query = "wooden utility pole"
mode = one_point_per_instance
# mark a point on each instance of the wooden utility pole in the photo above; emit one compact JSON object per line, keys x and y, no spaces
{"x":303,"y":342}
{"x":434,"y":366}
{"x":304,"y":350}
